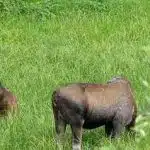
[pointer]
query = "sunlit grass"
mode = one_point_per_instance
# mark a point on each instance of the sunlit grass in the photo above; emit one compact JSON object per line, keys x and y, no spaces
{"x":37,"y":56}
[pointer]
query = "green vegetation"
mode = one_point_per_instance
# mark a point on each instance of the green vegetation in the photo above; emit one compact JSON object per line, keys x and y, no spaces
{"x":45,"y":44}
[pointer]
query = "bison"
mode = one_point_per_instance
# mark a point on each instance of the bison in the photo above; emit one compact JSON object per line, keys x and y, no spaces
{"x":8,"y":101}
{"x":91,"y":105}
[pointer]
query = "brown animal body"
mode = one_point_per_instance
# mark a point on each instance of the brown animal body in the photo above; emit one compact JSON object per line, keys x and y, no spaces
{"x":86,"y":105}
{"x":8,"y":102}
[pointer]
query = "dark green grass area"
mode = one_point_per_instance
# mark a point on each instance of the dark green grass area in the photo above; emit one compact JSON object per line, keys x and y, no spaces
{"x":36,"y":56}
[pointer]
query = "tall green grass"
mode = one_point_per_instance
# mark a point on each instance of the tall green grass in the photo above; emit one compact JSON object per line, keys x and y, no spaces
{"x":86,"y":41}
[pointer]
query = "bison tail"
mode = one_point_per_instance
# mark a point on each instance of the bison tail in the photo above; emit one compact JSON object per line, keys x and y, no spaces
{"x":133,"y":121}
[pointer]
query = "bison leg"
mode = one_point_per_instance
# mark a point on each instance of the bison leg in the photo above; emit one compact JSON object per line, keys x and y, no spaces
{"x":117,"y":128}
{"x":60,"y":127}
{"x":108,"y":129}
{"x":60,"y":130}
{"x":76,"y":136}
{"x":122,"y":117}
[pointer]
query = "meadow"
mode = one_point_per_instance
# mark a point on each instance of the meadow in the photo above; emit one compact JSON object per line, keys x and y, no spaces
{"x":89,"y":43}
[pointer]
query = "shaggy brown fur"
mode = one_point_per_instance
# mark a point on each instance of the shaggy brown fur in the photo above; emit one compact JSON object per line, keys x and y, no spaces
{"x":8,"y":101}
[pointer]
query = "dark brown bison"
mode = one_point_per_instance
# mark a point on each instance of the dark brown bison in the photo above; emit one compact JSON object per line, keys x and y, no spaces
{"x":88,"y":105}
{"x":8,"y":102}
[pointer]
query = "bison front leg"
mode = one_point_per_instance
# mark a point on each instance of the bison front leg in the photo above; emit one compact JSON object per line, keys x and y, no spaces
{"x":76,"y":136}
{"x":60,"y":127}
{"x":60,"y":130}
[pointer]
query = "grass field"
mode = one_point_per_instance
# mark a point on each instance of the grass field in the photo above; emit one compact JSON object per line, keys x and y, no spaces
{"x":36,"y":56}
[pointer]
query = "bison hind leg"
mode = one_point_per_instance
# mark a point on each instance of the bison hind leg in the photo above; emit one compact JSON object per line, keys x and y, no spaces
{"x":108,"y":129}
{"x":118,"y":123}
{"x":117,"y":128}
{"x":113,"y":129}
